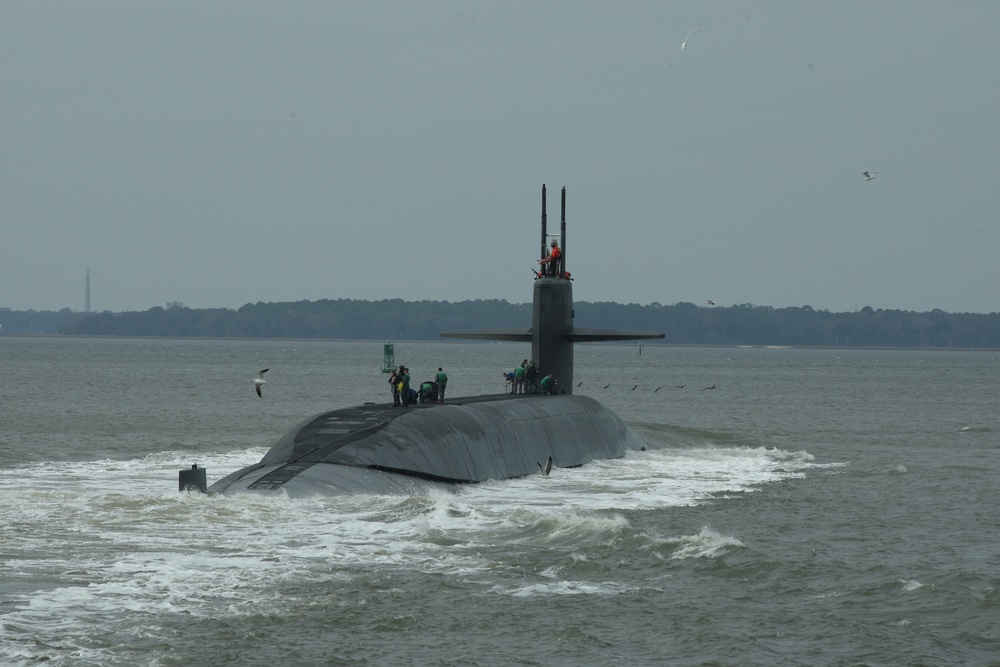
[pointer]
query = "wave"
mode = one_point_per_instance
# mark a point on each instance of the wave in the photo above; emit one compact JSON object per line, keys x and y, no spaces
{"x":564,"y":587}
{"x":706,"y":544}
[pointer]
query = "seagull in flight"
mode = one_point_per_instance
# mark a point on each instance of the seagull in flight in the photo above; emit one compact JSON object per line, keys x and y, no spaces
{"x":869,"y":175}
{"x":710,"y":302}
{"x":683,"y":44}
{"x":259,"y":380}
{"x":547,"y":468}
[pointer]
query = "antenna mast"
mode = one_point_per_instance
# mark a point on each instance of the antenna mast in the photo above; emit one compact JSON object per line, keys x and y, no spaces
{"x":86,"y":301}
{"x":544,"y":222}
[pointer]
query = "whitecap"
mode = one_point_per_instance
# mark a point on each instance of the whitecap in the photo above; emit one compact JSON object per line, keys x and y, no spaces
{"x":706,"y":544}
{"x":563,"y":587}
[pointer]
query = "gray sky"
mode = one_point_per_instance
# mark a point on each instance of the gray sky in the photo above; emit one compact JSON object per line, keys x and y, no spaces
{"x":223,"y":153}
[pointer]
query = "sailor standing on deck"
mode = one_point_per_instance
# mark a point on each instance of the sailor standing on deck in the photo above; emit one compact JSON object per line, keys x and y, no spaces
{"x":442,"y":381}
{"x":404,"y":384}
{"x":531,"y":377}
{"x":394,"y":387}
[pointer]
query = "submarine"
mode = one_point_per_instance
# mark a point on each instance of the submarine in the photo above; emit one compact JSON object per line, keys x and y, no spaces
{"x":382,"y":449}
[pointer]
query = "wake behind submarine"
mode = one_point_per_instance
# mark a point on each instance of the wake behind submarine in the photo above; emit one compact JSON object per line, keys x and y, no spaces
{"x":378,"y":449}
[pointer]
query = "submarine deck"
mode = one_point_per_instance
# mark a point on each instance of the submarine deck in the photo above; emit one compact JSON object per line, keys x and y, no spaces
{"x":462,"y":440}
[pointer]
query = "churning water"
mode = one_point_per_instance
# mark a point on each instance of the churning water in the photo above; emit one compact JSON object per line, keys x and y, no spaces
{"x":818,"y":507}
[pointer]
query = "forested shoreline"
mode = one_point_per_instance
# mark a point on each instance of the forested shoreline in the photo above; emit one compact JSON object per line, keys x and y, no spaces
{"x":395,"y":319}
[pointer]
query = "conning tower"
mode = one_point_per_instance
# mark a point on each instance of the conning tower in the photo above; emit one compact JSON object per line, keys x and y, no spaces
{"x":552,"y":334}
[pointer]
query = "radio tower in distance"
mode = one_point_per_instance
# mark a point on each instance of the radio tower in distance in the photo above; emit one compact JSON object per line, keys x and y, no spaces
{"x":86,"y":301}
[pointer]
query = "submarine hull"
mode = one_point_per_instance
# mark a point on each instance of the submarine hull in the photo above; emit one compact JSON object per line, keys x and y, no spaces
{"x":380,"y":449}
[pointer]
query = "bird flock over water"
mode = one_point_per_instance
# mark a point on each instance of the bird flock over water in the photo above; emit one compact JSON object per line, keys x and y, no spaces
{"x":635,"y":387}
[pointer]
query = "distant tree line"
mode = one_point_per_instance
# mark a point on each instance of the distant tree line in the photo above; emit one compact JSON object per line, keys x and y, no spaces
{"x":395,"y":319}
{"x":37,"y":321}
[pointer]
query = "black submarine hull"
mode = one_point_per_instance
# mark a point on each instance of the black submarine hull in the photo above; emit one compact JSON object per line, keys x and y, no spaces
{"x":379,"y":449}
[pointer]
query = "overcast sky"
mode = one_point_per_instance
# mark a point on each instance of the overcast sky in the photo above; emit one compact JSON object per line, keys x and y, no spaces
{"x":224,"y":153}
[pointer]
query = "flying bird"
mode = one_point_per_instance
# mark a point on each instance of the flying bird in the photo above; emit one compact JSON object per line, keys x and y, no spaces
{"x":712,"y":387}
{"x":259,"y":380}
{"x":683,"y":44}
{"x":658,"y":389}
{"x":869,"y":175}
{"x":710,"y":302}
{"x":607,"y":385}
{"x":633,"y":388}
{"x":547,"y":468}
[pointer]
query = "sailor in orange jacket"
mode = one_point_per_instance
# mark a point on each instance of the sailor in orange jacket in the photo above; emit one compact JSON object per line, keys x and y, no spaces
{"x":553,"y":261}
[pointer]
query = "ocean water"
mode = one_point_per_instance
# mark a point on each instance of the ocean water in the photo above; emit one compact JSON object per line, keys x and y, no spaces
{"x":817,"y":507}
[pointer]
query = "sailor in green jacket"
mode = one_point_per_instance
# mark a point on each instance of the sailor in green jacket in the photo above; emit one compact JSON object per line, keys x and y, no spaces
{"x":428,"y":392}
{"x":442,"y":381}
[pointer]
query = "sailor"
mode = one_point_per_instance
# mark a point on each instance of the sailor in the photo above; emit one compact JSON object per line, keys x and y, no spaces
{"x":404,"y":384}
{"x":519,"y":378}
{"x":551,"y":264}
{"x":548,"y":384}
{"x":394,"y":388}
{"x":555,"y":260}
{"x":531,"y":377}
{"x":428,"y":392}
{"x":442,"y":382}
{"x":509,"y":377}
